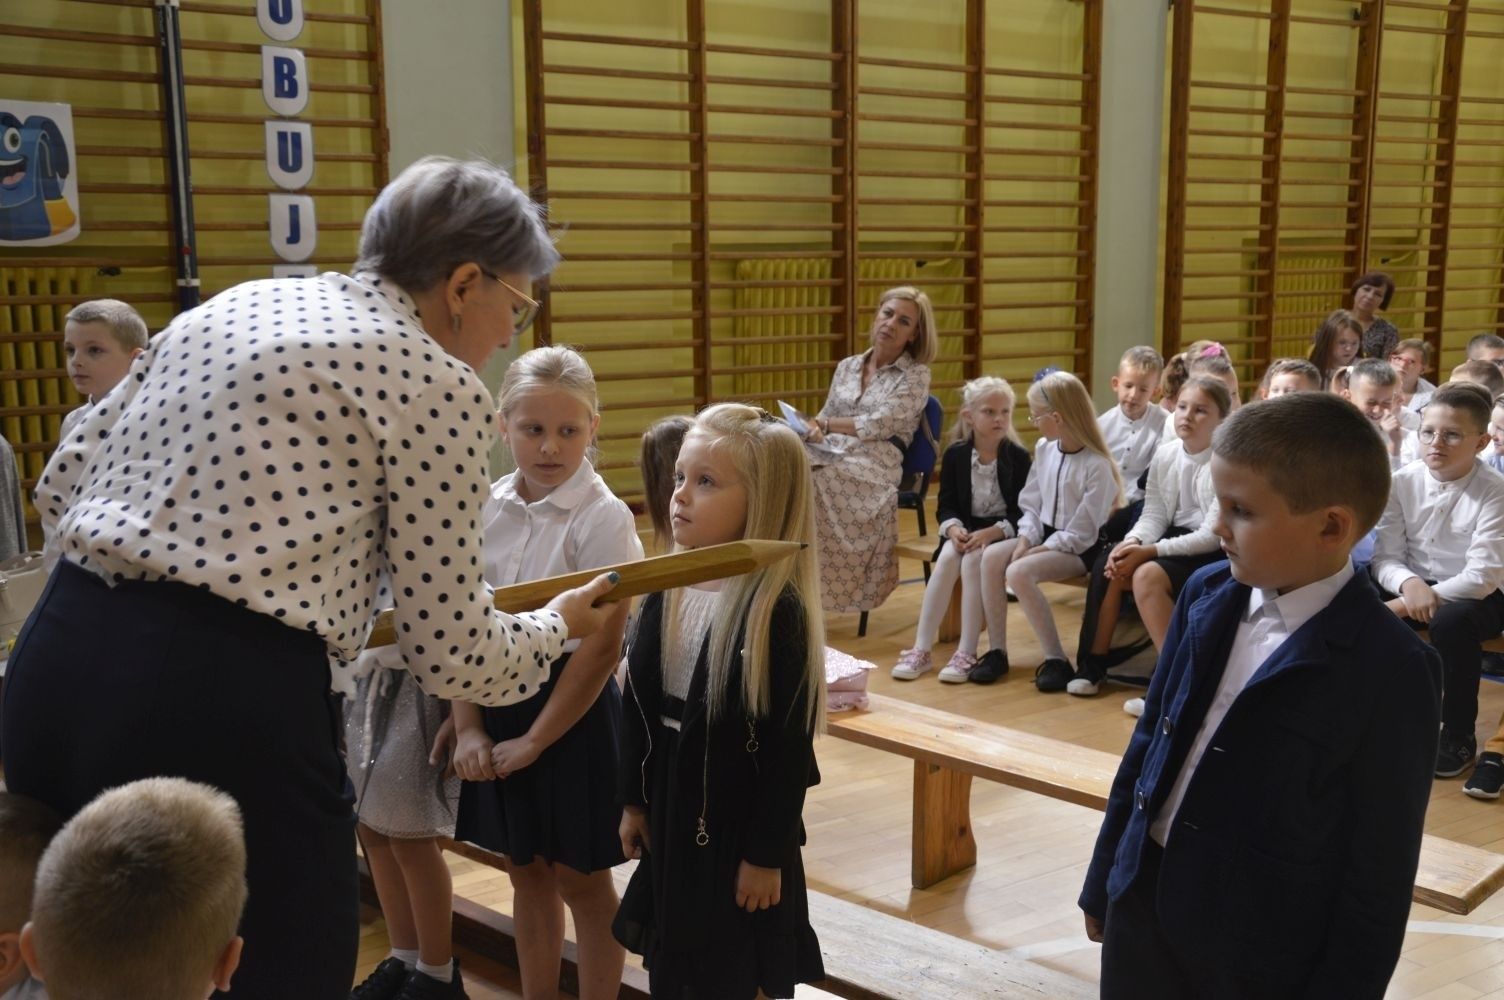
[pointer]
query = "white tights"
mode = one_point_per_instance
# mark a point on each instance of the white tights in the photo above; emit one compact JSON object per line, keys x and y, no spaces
{"x":1024,"y":575}
{"x":937,"y":597}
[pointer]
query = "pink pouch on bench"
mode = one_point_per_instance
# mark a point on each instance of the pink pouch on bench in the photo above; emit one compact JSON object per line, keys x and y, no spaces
{"x":845,"y":681}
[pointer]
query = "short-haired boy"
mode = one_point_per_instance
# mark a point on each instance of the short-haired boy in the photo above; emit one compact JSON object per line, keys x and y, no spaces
{"x":1494,"y":456}
{"x":26,"y":828}
{"x":1133,"y":430}
{"x":1484,"y":373}
{"x":100,"y":339}
{"x":139,"y":896}
{"x":1263,"y":832}
{"x":1412,"y":358}
{"x":1440,"y":556}
{"x":1373,"y":387}
{"x":1486,"y":347}
{"x":1287,"y":375}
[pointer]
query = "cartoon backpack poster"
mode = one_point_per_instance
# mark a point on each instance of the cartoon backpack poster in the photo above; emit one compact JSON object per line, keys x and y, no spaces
{"x":38,"y":182}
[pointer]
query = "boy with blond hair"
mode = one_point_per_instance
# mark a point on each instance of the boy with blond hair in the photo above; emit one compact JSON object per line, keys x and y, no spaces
{"x":1133,"y":429}
{"x":100,"y":340}
{"x":1263,"y":832}
{"x":139,"y":896}
{"x":26,"y":828}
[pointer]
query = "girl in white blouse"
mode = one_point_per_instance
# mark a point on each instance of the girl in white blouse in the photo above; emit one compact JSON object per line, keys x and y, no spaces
{"x":1171,"y":539}
{"x":1072,"y":489}
{"x":540,"y":775}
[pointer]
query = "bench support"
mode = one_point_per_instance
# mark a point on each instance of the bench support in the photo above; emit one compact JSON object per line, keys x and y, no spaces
{"x":943,"y":844}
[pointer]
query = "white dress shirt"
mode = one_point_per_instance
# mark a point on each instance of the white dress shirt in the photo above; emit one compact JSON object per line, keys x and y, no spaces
{"x":1180,"y":494}
{"x":282,"y":446}
{"x":1270,"y":619}
{"x":1452,"y":533}
{"x":1074,"y":493}
{"x":1132,"y":443}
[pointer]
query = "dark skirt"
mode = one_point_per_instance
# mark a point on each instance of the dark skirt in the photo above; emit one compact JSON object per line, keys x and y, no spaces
{"x":679,"y":911}
{"x":563,"y":807}
{"x":107,"y":685}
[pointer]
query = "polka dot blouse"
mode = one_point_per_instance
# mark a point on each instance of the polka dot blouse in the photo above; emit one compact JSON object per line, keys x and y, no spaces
{"x":281,"y":445}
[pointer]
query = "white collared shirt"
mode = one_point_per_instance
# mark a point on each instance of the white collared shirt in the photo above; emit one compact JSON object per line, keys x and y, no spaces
{"x":580,"y":525}
{"x":1452,"y":533}
{"x":286,"y":444}
{"x":1268,"y":621}
{"x":1131,"y":443}
{"x":1180,"y":494}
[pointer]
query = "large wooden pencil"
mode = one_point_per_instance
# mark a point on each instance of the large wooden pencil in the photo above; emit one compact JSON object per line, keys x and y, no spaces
{"x":646,"y":576}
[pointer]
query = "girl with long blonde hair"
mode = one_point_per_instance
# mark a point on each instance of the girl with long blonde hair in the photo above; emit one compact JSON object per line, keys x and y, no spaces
{"x":725,"y":693}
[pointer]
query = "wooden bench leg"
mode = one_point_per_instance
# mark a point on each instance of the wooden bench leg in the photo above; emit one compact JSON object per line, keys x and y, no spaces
{"x":943,"y":844}
{"x":950,"y":625}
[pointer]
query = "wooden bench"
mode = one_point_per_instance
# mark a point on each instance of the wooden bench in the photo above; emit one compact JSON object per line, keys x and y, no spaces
{"x":868,"y":954}
{"x":949,"y":750}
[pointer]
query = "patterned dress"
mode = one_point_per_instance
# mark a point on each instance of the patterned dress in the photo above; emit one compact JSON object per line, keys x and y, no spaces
{"x":856,"y":480}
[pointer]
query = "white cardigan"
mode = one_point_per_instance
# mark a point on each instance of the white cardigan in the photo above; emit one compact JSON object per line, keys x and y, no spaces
{"x":1162,"y":499}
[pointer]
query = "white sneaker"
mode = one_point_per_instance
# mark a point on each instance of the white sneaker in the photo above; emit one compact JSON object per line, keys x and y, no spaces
{"x":1134,"y":707}
{"x":959,"y":668}
{"x":912,"y":663}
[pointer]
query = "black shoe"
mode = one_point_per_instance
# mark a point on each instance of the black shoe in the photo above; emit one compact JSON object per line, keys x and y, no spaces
{"x":1493,"y":663}
{"x":1089,"y":676}
{"x":1454,"y":754}
{"x":384,"y":982}
{"x":421,"y":986}
{"x":992,"y":666}
{"x":1488,"y":777}
{"x":1053,"y":675}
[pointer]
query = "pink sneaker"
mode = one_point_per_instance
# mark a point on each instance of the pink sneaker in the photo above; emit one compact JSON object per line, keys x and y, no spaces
{"x":912,"y":663}
{"x":959,"y":667}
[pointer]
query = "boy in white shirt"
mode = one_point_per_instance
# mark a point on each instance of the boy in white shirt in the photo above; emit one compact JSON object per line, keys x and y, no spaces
{"x":1133,"y":430}
{"x":1373,"y":386}
{"x":1440,"y":556}
{"x":100,"y":339}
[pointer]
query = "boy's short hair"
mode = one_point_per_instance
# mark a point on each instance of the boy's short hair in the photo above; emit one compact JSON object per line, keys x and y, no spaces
{"x":1485,"y":373}
{"x":141,"y":892}
{"x":1414,"y":344}
{"x":1294,"y":366}
{"x":1492,"y":341}
{"x":124,"y":323}
{"x":26,"y":828}
{"x":1142,"y":359}
{"x":1465,"y":397}
{"x":1373,"y":370}
{"x":1315,"y":450}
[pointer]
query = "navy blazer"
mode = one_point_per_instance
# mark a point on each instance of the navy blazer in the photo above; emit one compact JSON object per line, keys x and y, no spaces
{"x":1292,"y":858}
{"x":954,"y":500}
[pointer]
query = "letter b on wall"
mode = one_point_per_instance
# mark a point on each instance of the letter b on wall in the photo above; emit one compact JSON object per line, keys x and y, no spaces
{"x":284,"y":80}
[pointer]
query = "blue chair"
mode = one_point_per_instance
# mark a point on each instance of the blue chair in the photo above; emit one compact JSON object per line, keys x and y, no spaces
{"x":918,"y":469}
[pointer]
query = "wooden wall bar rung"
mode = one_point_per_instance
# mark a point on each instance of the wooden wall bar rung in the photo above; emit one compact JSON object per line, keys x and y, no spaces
{"x":748,"y":109}
{"x":915,"y":64}
{"x":746,"y":50}
{"x":752,"y":81}
{"x":625,"y":40}
{"x":925,"y":95}
{"x":606,"y":102}
{"x":566,"y":69}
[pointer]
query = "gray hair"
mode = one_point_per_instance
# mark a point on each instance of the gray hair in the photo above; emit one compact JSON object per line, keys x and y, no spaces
{"x":124,"y":323}
{"x":441,"y":212}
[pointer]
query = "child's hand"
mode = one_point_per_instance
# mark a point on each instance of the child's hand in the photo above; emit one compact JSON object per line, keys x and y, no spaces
{"x":757,"y":888}
{"x":443,"y":746}
{"x":634,"y":832}
{"x":982,"y":539}
{"x":472,"y":755}
{"x":1094,"y":928}
{"x":1125,"y":559}
{"x":1389,"y":425}
{"x":959,"y":536}
{"x":1421,"y":601}
{"x":510,"y":756}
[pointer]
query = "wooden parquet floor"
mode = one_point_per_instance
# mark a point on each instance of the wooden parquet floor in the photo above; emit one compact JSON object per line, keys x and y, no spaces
{"x":1032,"y":851}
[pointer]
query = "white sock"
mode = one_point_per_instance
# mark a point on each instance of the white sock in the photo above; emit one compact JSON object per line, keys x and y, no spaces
{"x":408,"y":957}
{"x":443,"y":973}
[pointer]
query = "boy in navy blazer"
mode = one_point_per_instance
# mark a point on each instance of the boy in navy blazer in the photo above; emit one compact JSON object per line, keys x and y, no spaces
{"x":1263,"y":832}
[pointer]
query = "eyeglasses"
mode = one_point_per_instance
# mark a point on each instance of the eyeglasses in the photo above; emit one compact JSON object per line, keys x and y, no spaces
{"x":1429,"y":435}
{"x":1035,"y":418}
{"x":522,"y":316}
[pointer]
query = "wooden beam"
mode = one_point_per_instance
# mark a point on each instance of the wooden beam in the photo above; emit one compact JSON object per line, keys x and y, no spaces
{"x":975,"y":194}
{"x":1275,"y":74}
{"x":699,"y":210}
{"x":1365,"y":124}
{"x":537,"y":144}
{"x":1086,"y":215}
{"x":1444,"y":174}
{"x":1180,"y":96}
{"x":843,"y":40}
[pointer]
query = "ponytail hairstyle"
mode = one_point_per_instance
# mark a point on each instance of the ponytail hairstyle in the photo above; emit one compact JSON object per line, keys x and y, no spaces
{"x":770,"y":463}
{"x":1062,"y":393}
{"x":553,"y":368}
{"x":974,"y":392}
{"x":1199,"y":353}
{"x":660,"y":450}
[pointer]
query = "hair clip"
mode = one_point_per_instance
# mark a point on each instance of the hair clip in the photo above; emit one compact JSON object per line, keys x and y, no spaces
{"x":764,"y":416}
{"x":1047,"y":370}
{"x":1212,"y":350}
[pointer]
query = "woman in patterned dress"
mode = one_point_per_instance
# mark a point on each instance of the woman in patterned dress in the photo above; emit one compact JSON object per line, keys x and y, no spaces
{"x":856,"y":445}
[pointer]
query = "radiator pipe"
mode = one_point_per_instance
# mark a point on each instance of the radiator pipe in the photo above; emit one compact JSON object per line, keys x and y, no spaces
{"x":170,"y":44}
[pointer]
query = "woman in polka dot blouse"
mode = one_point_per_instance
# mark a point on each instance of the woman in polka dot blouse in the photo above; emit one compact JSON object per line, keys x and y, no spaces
{"x":225,"y":514}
